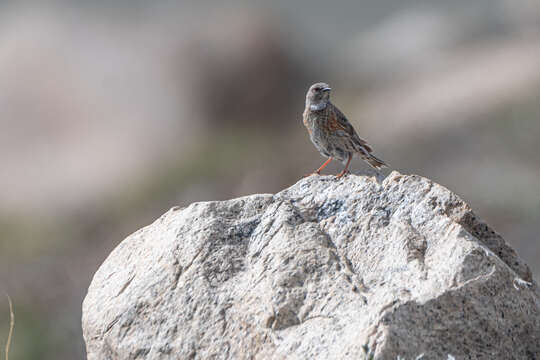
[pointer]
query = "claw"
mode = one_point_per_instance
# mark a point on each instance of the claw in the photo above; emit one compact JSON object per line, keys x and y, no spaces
{"x":342,"y":174}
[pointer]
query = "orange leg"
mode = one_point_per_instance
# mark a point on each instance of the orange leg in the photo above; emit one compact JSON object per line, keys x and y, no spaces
{"x":318,"y":172}
{"x":346,"y":170}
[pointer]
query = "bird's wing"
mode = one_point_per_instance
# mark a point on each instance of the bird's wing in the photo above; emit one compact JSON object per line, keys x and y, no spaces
{"x":338,"y":121}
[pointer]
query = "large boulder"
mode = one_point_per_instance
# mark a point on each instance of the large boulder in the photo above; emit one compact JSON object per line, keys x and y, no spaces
{"x":326,"y":269}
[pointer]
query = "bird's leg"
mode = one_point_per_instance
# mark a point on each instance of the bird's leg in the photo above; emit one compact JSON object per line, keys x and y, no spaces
{"x":346,"y":170}
{"x":318,"y":172}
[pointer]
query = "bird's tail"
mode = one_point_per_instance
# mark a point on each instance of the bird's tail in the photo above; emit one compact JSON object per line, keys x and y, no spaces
{"x":373,"y":160}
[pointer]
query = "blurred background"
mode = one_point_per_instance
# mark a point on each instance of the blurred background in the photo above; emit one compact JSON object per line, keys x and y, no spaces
{"x":113,"y":112}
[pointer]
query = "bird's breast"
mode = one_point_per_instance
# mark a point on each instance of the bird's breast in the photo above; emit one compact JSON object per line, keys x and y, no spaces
{"x":313,"y":118}
{"x":314,"y":122}
{"x":307,"y":123}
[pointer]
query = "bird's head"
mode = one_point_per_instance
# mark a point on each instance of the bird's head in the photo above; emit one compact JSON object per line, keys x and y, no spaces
{"x":318,"y":96}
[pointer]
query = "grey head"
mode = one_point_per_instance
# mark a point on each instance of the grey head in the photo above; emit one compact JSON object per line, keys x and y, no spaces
{"x":318,"y":96}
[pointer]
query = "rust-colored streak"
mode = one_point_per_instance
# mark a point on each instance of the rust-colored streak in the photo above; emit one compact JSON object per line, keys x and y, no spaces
{"x":334,"y":124}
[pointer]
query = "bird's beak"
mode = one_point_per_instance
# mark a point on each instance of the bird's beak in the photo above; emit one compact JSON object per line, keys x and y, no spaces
{"x":326,"y":89}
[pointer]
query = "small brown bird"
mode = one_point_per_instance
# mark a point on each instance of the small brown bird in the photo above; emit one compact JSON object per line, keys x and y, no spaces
{"x":331,"y":132}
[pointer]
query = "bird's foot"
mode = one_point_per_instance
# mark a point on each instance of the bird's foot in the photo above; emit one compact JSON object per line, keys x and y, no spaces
{"x":342,"y":174}
{"x":318,"y":173}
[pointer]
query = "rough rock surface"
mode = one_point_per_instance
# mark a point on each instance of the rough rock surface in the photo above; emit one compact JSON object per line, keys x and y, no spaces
{"x":326,"y":269}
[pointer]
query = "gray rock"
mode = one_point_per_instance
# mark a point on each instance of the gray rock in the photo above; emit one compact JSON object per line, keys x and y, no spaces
{"x":326,"y":269}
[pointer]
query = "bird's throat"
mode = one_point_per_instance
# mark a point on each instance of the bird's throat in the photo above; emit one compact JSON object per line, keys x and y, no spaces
{"x":317,"y":107}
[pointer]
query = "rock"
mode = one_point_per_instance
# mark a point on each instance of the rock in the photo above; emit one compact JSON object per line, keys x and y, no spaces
{"x":326,"y":269}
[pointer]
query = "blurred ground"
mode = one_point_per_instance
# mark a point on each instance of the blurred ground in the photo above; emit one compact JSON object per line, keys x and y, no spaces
{"x":112,"y":113}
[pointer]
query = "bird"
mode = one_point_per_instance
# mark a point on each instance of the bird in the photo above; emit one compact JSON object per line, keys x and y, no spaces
{"x":331,"y":132}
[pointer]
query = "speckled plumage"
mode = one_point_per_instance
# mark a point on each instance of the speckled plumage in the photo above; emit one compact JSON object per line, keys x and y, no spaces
{"x":331,"y":132}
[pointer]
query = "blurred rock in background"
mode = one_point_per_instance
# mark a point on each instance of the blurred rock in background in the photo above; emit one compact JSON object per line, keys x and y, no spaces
{"x":112,"y":113}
